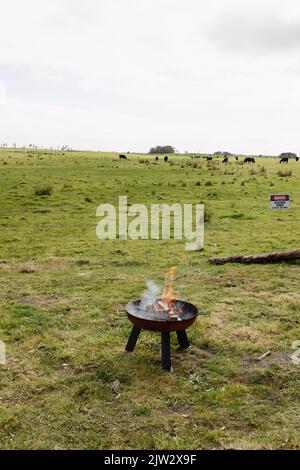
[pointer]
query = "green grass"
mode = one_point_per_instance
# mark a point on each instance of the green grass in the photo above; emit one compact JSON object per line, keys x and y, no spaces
{"x":68,"y":383}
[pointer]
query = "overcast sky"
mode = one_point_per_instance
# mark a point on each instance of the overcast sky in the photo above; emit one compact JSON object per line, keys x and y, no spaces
{"x":130,"y":74}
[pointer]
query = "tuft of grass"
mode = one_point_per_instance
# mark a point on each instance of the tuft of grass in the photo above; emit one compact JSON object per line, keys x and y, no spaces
{"x":239,"y":215}
{"x":28,"y":267}
{"x":207,"y":214}
{"x":263,"y":171}
{"x":284,"y":173}
{"x":44,"y":191}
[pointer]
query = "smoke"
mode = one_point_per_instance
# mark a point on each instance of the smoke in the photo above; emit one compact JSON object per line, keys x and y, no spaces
{"x":150,"y":295}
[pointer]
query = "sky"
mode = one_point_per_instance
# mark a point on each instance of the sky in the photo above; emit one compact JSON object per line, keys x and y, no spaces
{"x":126,"y":75}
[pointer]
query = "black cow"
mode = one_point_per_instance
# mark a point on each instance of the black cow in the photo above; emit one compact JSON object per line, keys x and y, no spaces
{"x":297,"y":158}
{"x":249,"y":160}
{"x":225,"y":160}
{"x":122,"y":157}
{"x":208,"y":159}
{"x":284,"y":160}
{"x":156,"y":159}
{"x":166,"y":158}
{"x":236,"y":158}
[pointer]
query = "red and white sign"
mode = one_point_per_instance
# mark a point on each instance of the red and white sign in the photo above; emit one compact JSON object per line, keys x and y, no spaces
{"x":280,"y":201}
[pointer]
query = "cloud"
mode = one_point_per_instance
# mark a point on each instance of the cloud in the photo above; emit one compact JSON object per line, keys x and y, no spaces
{"x":128,"y":75}
{"x":256,"y":30}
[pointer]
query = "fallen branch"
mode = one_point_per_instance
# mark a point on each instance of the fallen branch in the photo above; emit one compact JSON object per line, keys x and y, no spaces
{"x":260,"y":358}
{"x":275,"y":257}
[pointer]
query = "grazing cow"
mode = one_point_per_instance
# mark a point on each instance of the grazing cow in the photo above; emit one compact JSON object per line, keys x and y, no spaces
{"x":236,"y":158}
{"x":249,"y":160}
{"x":284,"y":160}
{"x":166,"y":158}
{"x":122,"y":157}
{"x":225,"y":160}
{"x":156,"y":159}
{"x":208,"y":159}
{"x":296,"y":158}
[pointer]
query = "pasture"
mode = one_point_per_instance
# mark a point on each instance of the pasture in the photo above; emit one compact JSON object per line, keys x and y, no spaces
{"x":68,"y":384}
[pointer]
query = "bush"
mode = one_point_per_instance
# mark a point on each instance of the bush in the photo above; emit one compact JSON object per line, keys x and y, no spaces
{"x":44,"y":191}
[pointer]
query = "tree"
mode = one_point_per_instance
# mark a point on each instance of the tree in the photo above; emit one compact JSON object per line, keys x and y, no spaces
{"x":162,"y":149}
{"x":222,"y":154}
{"x":288,"y":155}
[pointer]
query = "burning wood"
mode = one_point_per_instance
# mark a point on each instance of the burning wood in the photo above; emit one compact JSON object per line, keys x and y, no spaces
{"x":166,"y":303}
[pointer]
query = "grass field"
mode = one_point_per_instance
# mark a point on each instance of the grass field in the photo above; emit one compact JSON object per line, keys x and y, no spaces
{"x":68,"y":384}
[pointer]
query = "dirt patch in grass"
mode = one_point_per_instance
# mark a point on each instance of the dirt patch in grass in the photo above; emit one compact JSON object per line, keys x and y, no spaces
{"x":287,"y":298}
{"x":44,"y":301}
{"x":220,"y":314}
{"x":276,"y":358}
{"x":56,"y":263}
{"x":5,"y":266}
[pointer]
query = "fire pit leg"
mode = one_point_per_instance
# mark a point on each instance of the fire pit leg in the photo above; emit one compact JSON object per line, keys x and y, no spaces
{"x":135,"y":333}
{"x":165,"y":351}
{"x":182,"y":339}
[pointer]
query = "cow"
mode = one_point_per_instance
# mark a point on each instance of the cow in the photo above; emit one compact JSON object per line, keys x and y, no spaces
{"x":122,"y":157}
{"x":284,"y":160}
{"x":296,"y":158}
{"x":236,"y":158}
{"x":249,"y":160}
{"x":208,"y":159}
{"x":156,"y":159}
{"x":225,"y":160}
{"x":166,"y":158}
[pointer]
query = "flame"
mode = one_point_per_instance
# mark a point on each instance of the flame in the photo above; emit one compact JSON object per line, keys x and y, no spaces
{"x":167,"y":301}
{"x":168,"y":292}
{"x":168,"y":296}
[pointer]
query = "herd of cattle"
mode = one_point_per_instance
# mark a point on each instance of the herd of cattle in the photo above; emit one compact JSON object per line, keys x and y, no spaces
{"x":225,"y":159}
{"x":286,"y":159}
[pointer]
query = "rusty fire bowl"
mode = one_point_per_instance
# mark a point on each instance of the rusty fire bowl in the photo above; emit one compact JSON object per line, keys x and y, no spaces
{"x":156,"y":321}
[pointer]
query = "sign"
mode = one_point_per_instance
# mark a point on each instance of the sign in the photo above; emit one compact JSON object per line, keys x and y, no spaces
{"x":280,"y":201}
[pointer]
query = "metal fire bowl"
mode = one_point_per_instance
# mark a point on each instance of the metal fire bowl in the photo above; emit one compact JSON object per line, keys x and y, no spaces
{"x":156,"y":321}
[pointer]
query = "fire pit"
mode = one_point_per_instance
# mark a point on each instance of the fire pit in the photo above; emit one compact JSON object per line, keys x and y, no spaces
{"x":177,"y":315}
